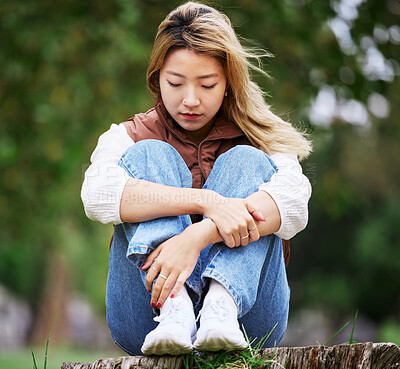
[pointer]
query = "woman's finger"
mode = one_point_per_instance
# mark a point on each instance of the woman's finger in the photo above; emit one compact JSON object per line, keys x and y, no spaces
{"x":151,"y":258}
{"x":157,"y":288}
{"x":166,"y":289}
{"x":245,"y":234}
{"x":151,"y":275}
{"x":254,"y":233}
{"x":257,"y":215}
{"x":179,"y":284}
{"x":245,"y":239}
{"x":229,"y":240}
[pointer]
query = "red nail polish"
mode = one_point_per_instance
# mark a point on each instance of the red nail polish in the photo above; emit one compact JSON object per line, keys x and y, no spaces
{"x":153,"y":304}
{"x":159,"y":304}
{"x":172,"y":295}
{"x":149,"y":291}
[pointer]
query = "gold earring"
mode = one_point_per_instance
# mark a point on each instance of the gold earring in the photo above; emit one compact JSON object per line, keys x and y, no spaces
{"x":226,"y":93}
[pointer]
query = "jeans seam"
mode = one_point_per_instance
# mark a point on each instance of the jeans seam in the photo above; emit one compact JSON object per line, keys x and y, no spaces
{"x":123,"y":165}
{"x":199,"y":279}
{"x":139,"y":246}
{"x":193,"y":287}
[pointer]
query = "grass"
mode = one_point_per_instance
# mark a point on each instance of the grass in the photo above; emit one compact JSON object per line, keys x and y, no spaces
{"x":248,"y":359}
{"x":244,"y":359}
{"x":45,"y":355}
{"x":22,"y":358}
{"x":351,"y":341}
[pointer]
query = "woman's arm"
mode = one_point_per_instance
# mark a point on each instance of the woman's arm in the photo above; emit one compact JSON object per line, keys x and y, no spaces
{"x":283,"y":202}
{"x":264,"y":212}
{"x":290,"y":189}
{"x":104,"y":179}
{"x":143,"y":200}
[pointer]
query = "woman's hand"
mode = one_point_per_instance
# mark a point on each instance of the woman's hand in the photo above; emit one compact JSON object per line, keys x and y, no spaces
{"x":236,"y":219}
{"x":176,"y":259}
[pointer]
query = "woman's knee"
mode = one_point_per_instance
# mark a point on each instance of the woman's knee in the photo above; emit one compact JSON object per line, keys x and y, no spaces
{"x":244,"y":166}
{"x":241,"y":152}
{"x":156,"y":161}
{"x":248,"y":158}
{"x":150,"y":148}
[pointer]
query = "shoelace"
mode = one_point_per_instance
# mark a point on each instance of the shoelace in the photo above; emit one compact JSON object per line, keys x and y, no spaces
{"x":215,"y":308}
{"x":175,"y":313}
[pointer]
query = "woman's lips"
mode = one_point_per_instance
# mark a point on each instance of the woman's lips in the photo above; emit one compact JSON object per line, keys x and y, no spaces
{"x":190,"y":116}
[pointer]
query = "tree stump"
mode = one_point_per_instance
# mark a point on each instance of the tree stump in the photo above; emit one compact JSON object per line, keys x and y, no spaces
{"x":367,"y":355}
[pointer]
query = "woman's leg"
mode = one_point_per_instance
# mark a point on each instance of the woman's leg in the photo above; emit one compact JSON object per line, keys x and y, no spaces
{"x":254,"y":275}
{"x":129,"y":314}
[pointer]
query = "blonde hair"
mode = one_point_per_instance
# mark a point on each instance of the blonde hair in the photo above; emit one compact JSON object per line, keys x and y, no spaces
{"x":204,"y":30}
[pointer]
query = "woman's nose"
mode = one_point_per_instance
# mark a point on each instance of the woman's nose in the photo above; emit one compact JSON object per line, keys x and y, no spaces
{"x":191,"y":99}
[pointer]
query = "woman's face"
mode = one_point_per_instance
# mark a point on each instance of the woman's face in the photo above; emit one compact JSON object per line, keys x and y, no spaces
{"x":192,"y":88}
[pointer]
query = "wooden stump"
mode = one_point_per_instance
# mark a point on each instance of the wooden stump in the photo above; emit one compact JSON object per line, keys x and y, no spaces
{"x":367,"y":355}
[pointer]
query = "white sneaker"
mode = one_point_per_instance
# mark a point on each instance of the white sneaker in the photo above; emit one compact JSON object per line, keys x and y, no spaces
{"x":176,"y":331}
{"x":219,"y":327}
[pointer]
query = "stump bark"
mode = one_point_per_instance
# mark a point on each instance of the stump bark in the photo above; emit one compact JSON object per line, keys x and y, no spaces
{"x":367,"y":355}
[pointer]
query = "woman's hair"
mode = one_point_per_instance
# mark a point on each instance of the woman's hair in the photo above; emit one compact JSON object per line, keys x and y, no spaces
{"x":206,"y":31}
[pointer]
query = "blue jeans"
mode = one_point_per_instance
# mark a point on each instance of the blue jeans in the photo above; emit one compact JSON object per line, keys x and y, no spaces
{"x":254,"y":275}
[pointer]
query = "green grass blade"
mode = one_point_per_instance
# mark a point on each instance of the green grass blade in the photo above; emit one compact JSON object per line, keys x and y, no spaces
{"x":45,"y":354}
{"x":352,"y":330}
{"x":185,"y":360}
{"x":330,"y":339}
{"x":265,"y":338}
{"x":34,"y":360}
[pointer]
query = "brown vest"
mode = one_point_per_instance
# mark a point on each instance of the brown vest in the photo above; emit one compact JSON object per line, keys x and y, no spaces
{"x":158,"y":124}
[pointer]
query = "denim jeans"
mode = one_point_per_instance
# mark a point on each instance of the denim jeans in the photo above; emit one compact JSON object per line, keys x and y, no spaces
{"x":254,"y":275}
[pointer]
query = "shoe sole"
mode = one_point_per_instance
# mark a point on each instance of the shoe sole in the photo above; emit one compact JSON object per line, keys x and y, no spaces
{"x":215,"y":341}
{"x":166,"y":345}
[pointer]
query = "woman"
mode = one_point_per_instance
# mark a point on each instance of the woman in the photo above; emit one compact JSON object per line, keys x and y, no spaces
{"x":202,"y":189}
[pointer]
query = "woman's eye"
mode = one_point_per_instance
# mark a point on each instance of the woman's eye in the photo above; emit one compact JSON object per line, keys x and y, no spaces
{"x":174,"y":84}
{"x":210,"y":87}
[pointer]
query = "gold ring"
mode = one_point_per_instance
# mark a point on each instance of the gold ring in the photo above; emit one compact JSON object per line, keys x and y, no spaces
{"x":246,"y":236}
{"x":253,"y":229}
{"x":162,"y":276}
{"x":154,"y":269}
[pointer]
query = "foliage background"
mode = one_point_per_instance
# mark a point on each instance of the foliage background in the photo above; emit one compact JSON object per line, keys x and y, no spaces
{"x":71,"y":68}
